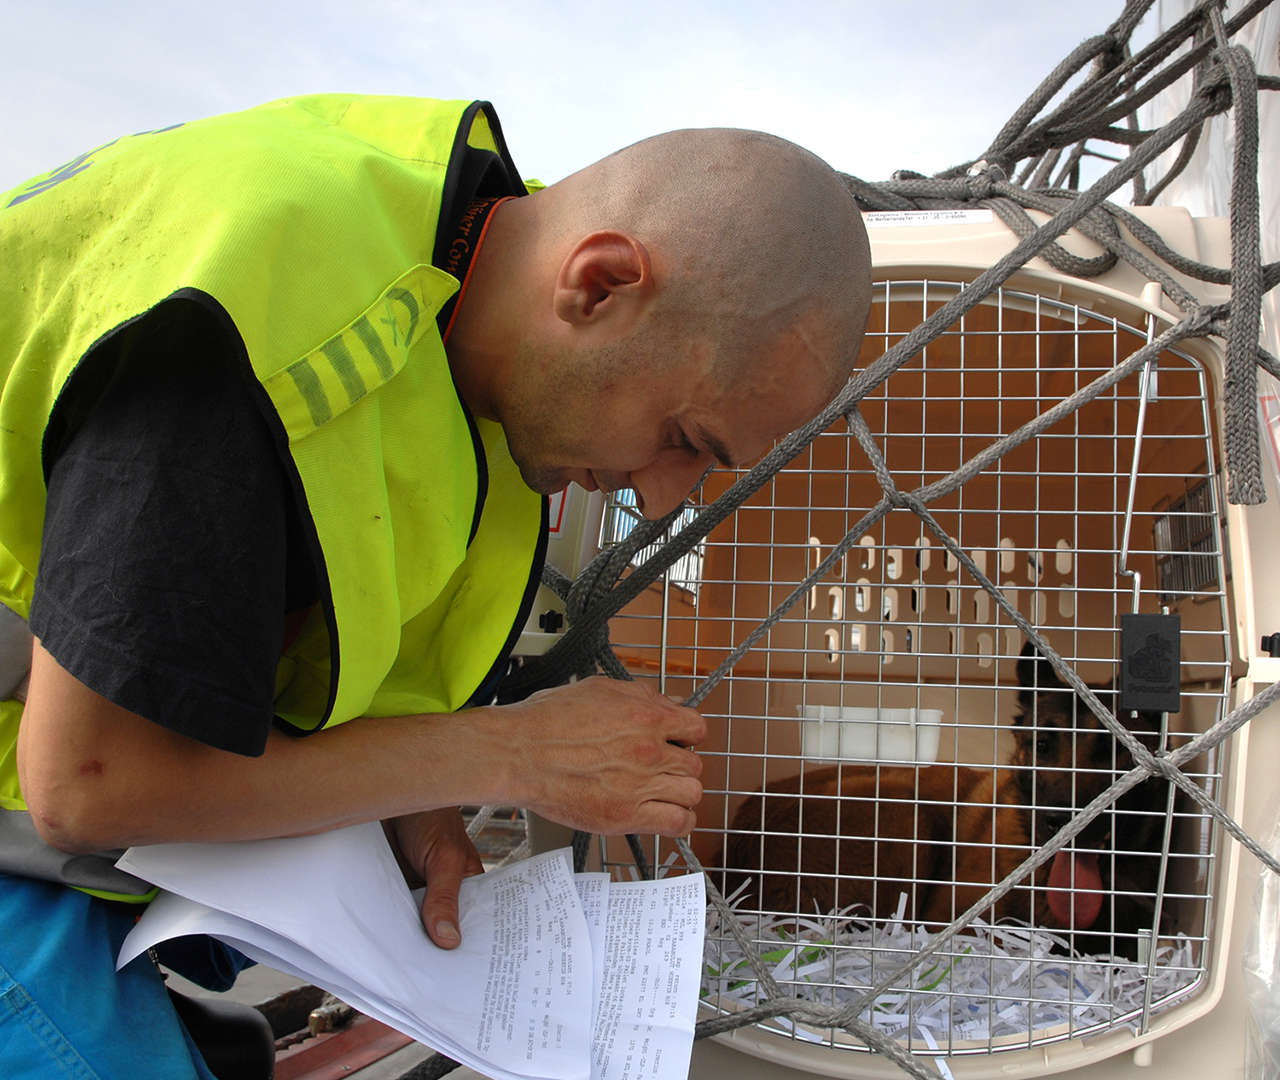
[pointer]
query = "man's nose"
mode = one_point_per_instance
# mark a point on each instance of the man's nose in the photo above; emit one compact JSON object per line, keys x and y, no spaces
{"x":661,"y":487}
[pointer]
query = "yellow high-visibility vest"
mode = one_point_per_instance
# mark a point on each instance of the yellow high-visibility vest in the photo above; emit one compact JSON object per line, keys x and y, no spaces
{"x":307,"y":227}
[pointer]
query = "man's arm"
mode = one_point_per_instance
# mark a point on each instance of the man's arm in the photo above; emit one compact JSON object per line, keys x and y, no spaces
{"x":601,"y":755}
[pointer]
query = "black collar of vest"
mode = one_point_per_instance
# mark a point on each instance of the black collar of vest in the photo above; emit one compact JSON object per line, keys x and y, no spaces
{"x":473,"y":173}
{"x":458,"y":256}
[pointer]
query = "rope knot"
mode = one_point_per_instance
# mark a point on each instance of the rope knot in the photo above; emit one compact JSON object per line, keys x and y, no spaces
{"x":1113,"y":52}
{"x":982,"y":178}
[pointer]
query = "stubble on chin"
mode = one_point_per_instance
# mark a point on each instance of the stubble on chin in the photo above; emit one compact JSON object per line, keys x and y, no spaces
{"x":545,"y":481}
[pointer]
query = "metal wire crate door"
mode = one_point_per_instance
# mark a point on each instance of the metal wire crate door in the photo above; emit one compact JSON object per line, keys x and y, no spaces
{"x":878,"y":718}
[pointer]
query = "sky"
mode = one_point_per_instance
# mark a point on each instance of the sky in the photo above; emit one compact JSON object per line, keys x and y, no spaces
{"x":870,"y":87}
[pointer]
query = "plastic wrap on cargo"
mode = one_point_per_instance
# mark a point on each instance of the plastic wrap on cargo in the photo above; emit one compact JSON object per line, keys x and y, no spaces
{"x":1262,"y":976}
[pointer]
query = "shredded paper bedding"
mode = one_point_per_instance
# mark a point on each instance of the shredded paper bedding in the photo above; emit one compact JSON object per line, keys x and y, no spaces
{"x":1003,"y":984}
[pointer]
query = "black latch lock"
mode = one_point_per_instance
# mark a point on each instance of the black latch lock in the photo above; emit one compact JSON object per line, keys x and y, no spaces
{"x":1150,"y":663}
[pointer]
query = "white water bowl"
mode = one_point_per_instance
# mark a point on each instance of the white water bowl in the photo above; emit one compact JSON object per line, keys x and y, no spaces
{"x":869,"y":735}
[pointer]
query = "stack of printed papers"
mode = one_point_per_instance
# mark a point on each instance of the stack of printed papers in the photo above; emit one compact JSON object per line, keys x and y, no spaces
{"x":559,"y":975}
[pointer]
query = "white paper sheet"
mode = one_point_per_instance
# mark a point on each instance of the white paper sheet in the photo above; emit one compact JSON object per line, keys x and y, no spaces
{"x":336,"y":904}
{"x":550,"y":963}
{"x":593,"y":891}
{"x":653,"y":956}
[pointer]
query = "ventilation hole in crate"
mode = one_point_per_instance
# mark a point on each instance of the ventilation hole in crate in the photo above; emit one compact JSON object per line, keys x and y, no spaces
{"x":916,"y":599}
{"x":868,"y":560}
{"x":1012,"y":641}
{"x":981,"y":605}
{"x":1062,"y":557}
{"x":886,"y":645}
{"x":1010,"y":591}
{"x":833,"y":645}
{"x":923,"y":555}
{"x":813,"y":556}
{"x":862,"y":596}
{"x":835,"y":601}
{"x":889,"y":610}
{"x":893,"y":563}
{"x":1006,"y":556}
{"x":985,"y":649}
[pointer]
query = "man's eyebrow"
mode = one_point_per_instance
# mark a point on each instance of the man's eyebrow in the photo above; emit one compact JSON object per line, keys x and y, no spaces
{"x":717,"y":448}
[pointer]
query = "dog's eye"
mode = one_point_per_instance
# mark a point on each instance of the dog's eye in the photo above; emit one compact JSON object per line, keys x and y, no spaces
{"x":1043,"y":743}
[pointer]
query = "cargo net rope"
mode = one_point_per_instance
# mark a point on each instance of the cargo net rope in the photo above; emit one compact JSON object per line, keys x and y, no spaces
{"x":1033,"y":165}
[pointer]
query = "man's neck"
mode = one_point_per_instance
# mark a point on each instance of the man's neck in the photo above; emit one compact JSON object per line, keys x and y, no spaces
{"x":481,"y":333}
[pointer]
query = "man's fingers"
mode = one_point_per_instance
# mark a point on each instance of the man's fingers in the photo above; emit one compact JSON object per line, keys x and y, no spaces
{"x":667,"y":819}
{"x":617,"y":757}
{"x":666,"y":808}
{"x":687,"y":727}
{"x":682,"y":725}
{"x":683,"y":762}
{"x":682,"y":791}
{"x":448,"y":861}
{"x":440,"y":905}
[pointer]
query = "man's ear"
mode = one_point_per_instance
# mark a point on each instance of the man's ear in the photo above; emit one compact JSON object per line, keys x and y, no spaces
{"x":607,"y":276}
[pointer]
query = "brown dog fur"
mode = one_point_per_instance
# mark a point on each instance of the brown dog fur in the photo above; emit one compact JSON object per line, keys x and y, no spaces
{"x":861,"y":834}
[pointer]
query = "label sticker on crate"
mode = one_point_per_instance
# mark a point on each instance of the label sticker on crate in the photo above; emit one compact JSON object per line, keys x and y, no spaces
{"x":1150,"y":660}
{"x":882,"y":218}
{"x":555,"y":512}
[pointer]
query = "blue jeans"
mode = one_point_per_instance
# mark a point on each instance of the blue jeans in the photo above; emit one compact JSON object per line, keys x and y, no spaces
{"x":64,"y":1010}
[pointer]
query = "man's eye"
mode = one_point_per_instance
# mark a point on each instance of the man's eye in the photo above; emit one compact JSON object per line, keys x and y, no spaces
{"x":680,"y":441}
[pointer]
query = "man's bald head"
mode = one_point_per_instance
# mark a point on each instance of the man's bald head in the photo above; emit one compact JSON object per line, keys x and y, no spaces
{"x":748,"y":233}
{"x":690,"y":298}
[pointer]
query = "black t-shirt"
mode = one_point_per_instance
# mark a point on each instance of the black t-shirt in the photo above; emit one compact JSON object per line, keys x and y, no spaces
{"x":172,"y":545}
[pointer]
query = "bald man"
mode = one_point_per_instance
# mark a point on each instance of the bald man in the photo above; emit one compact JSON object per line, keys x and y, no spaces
{"x":284,"y":396}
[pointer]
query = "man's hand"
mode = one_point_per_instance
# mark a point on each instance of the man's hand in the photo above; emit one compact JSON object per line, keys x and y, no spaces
{"x":608,"y":757}
{"x":434,"y":848}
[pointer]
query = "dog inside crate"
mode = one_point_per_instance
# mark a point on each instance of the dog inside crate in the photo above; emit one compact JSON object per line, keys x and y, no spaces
{"x":941,"y":836}
{"x":896,"y":745}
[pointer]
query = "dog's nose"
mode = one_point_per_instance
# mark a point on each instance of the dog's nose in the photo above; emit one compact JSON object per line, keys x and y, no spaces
{"x":1056,"y":819}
